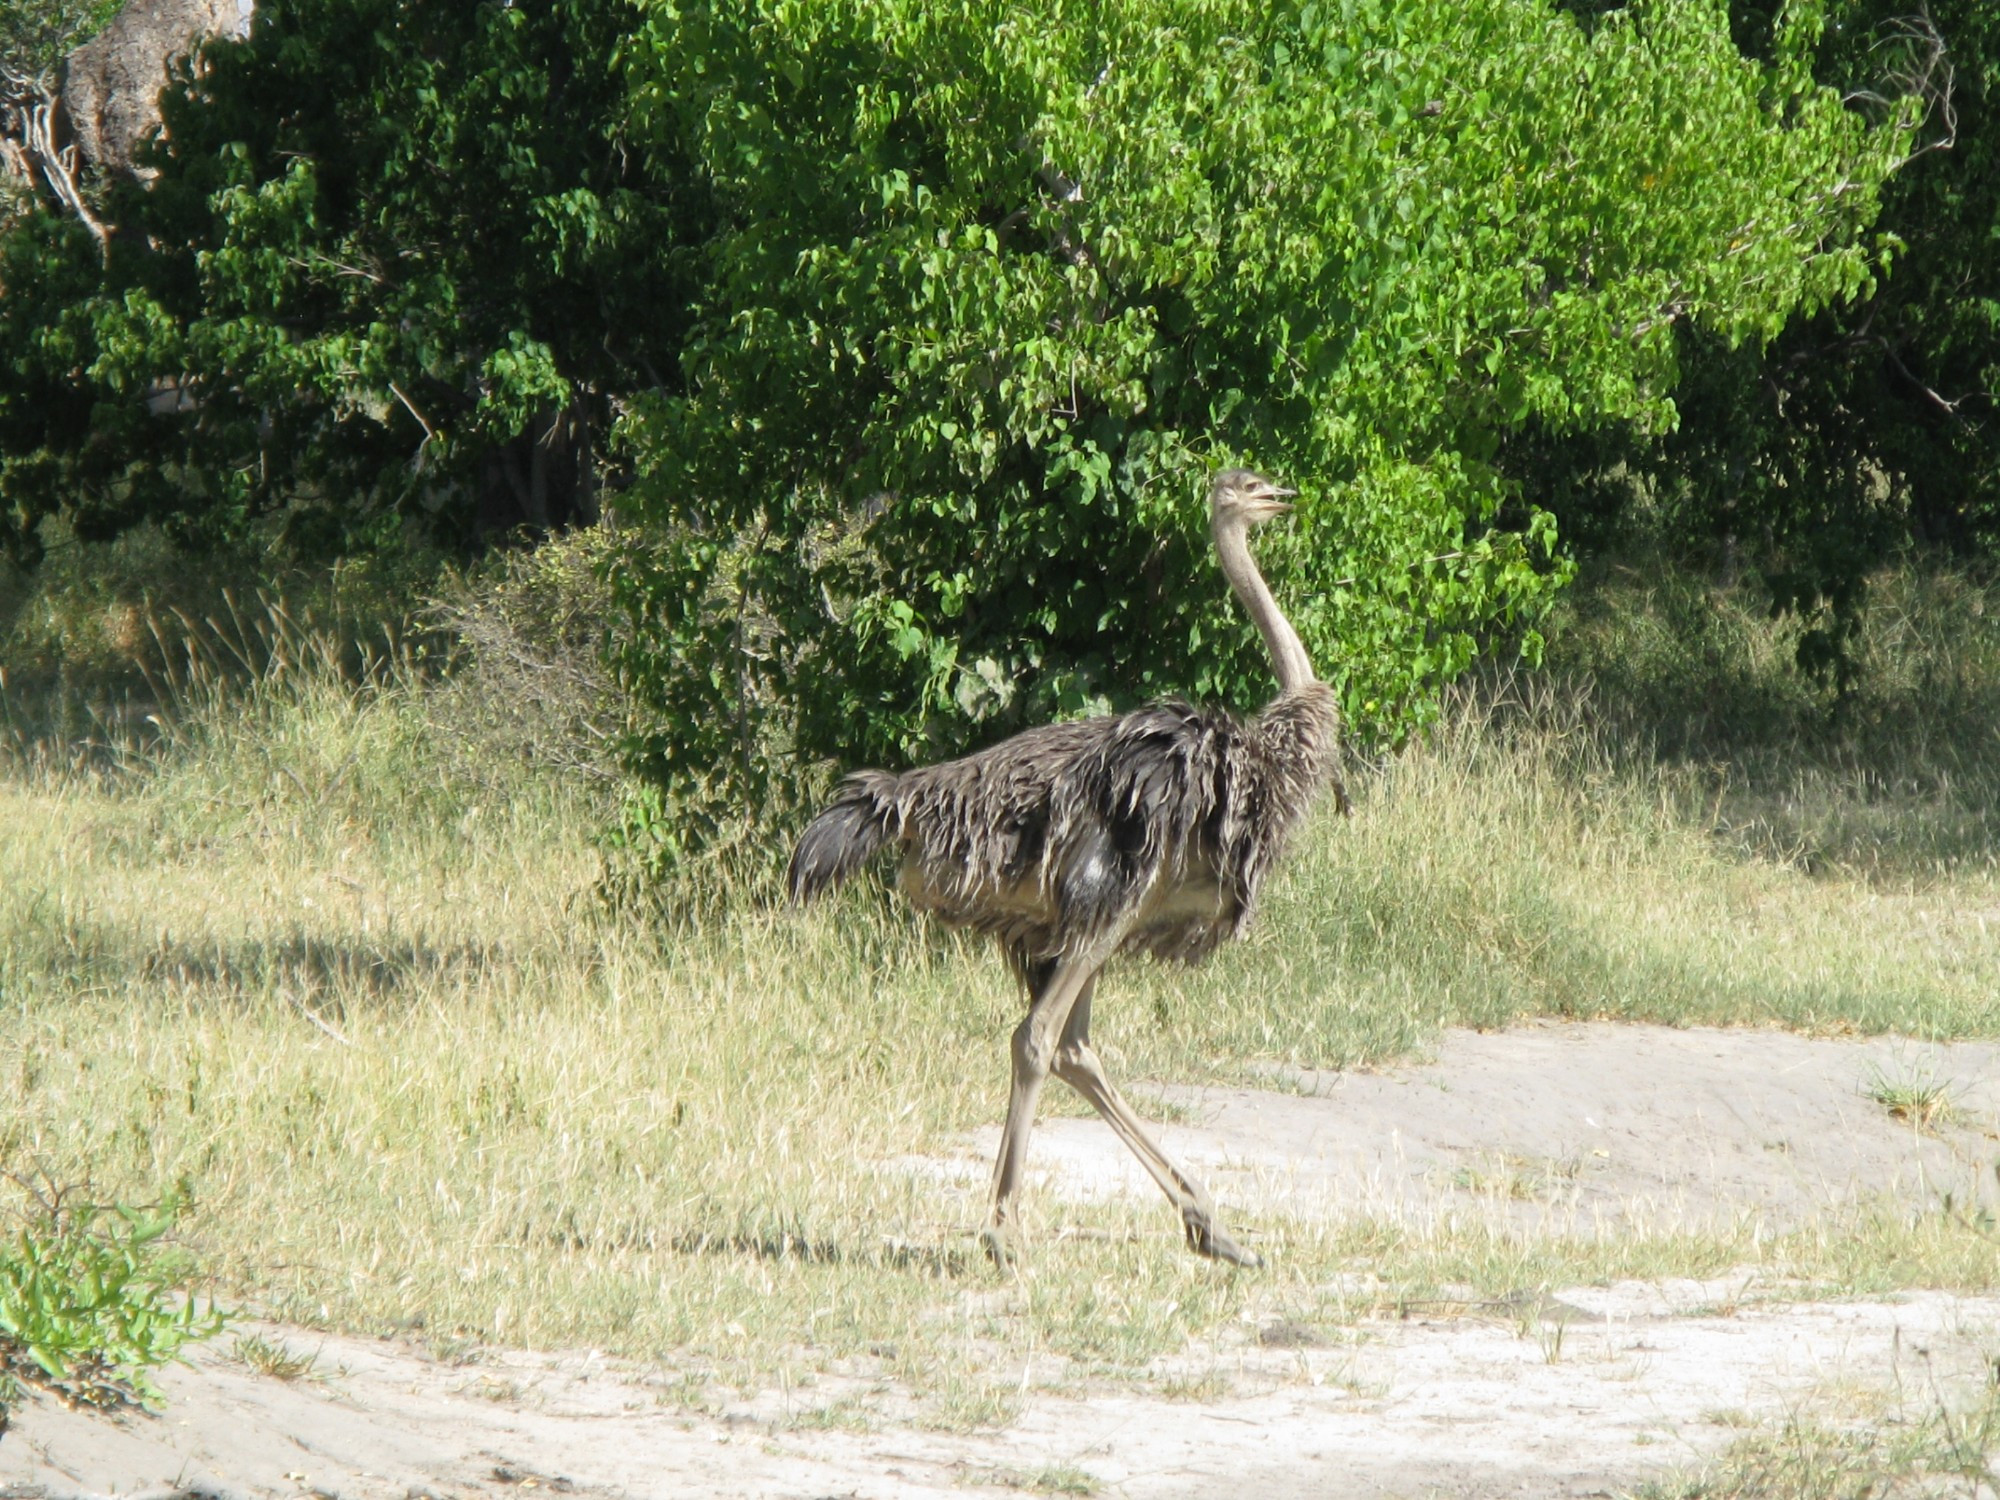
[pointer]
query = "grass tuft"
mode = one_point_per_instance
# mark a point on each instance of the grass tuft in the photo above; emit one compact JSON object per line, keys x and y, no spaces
{"x":273,"y":1357}
{"x":1944,"y":1448}
{"x":1919,"y":1098}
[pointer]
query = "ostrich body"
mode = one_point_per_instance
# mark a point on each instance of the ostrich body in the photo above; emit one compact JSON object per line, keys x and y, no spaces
{"x":1149,"y":831}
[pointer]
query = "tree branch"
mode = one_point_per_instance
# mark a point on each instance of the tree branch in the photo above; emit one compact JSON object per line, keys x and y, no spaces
{"x":31,"y":145}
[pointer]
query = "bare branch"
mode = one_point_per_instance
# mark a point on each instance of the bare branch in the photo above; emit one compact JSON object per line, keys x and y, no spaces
{"x":58,"y":167}
{"x":410,"y":406}
{"x":1925,"y":72}
{"x":1948,"y":408}
{"x":340,"y":268}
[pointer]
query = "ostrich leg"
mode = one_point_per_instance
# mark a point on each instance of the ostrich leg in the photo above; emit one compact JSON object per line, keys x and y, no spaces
{"x":1076,"y":1064}
{"x":1053,"y":990}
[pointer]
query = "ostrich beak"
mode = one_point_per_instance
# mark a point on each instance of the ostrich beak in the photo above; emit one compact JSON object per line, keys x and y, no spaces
{"x":1270,"y":502}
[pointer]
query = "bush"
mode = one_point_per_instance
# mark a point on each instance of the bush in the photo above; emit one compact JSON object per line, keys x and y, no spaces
{"x":991,"y":291}
{"x":91,"y":1299}
{"x":394,"y":262}
{"x":531,"y":686}
{"x":1818,"y":457}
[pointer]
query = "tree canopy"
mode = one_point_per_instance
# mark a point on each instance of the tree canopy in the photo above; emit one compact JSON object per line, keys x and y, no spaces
{"x":906,"y":332}
{"x":1874,"y":425}
{"x":993,"y":286}
{"x":395,"y":266}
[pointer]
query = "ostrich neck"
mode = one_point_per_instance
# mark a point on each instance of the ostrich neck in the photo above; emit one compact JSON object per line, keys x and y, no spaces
{"x":1288,"y":653}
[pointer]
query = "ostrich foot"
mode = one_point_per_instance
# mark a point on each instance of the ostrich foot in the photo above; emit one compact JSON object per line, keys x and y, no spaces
{"x":1205,"y":1239}
{"x":1003,"y":1243}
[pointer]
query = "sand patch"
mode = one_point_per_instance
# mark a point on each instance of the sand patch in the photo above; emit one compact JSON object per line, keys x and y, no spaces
{"x":1569,"y":1126}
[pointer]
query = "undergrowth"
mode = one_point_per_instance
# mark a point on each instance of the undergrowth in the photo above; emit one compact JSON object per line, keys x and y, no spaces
{"x":1896,"y":779}
{"x":103,"y":636}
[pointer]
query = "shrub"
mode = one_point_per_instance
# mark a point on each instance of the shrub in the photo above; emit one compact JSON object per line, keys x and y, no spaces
{"x":531,"y":686}
{"x":993,"y":288}
{"x":91,"y":1299}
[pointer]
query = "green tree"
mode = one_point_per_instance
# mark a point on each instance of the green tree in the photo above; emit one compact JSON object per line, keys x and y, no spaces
{"x":1869,"y":428}
{"x":994,"y":285}
{"x":398,"y":261}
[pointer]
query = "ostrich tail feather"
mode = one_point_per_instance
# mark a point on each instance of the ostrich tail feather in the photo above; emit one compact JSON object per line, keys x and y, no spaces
{"x":861,"y":818}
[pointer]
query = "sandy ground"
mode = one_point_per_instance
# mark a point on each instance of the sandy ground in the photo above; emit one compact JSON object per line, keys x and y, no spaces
{"x":1564,"y":1126}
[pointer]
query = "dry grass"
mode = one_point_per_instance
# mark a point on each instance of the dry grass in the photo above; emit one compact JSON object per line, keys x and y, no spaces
{"x":371,"y":1011}
{"x":1898,"y":782}
{"x":1937,"y":1439}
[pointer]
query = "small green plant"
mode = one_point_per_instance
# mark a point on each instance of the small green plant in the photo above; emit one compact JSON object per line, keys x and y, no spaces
{"x":1200,"y":1389}
{"x":273,"y":1357}
{"x":848,"y":1414}
{"x":90,"y":1298}
{"x":1549,"y":1334}
{"x":968,"y":1404}
{"x":1539,"y":1318}
{"x":1920,"y":1097}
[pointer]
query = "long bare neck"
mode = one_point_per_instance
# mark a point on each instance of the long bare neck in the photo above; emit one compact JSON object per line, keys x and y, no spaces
{"x":1288,"y":652}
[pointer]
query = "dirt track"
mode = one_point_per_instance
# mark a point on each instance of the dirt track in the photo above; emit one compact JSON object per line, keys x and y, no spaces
{"x":1565,"y":1126}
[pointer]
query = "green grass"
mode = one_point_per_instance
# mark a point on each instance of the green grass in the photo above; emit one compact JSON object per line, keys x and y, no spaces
{"x":1936,"y":1445}
{"x":1052,"y":1479}
{"x":272,"y":1357}
{"x":1916,"y":1096}
{"x":363,"y":998}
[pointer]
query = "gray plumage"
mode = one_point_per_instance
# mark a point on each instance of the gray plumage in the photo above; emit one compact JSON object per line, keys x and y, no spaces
{"x":1048,"y":839}
{"x":1150,"y":831}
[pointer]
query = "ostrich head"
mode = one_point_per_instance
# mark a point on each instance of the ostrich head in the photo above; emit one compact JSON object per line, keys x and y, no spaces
{"x":1245,"y":498}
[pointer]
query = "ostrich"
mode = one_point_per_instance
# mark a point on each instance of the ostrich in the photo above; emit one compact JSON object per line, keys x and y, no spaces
{"x":1148,"y":832}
